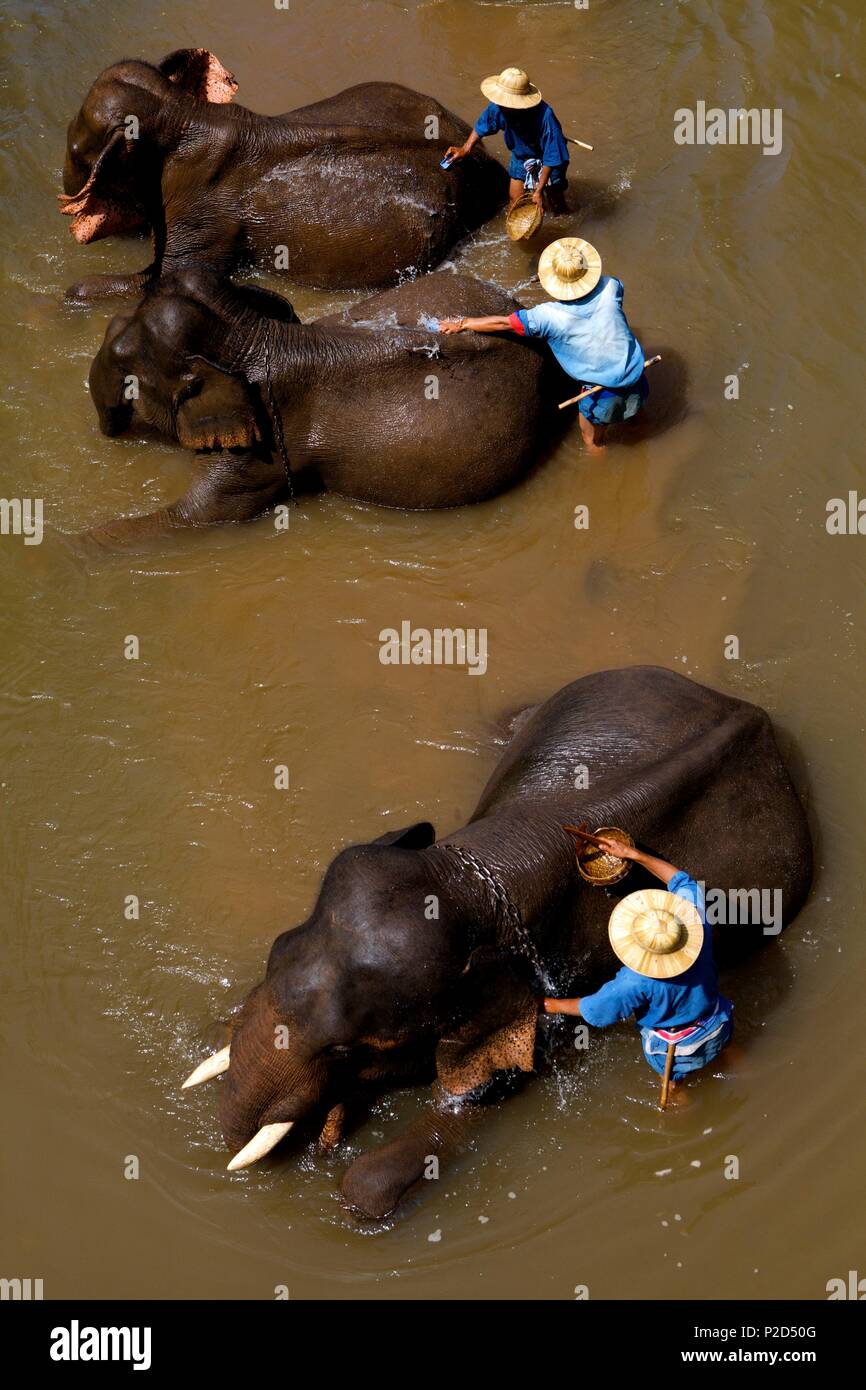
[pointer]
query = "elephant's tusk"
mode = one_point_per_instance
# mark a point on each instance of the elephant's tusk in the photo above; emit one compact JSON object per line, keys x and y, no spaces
{"x":210,"y":1067}
{"x":267,"y":1138}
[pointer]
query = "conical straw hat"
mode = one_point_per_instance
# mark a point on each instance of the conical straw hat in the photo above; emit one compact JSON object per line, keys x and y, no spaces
{"x":569,"y":268}
{"x":511,"y":88}
{"x":656,"y":933}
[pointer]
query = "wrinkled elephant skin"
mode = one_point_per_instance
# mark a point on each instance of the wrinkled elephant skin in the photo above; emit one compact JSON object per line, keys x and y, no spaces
{"x":372,"y":987}
{"x":345,"y":192}
{"x":373,"y":404}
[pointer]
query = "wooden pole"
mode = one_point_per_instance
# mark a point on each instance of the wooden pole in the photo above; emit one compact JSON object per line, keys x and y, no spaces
{"x":583,"y":835}
{"x":592,"y":389}
{"x":583,"y":145}
{"x":666,"y":1079}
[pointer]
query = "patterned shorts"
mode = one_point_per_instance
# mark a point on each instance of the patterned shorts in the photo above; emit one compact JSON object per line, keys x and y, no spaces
{"x":697,"y":1049}
{"x":610,"y":405}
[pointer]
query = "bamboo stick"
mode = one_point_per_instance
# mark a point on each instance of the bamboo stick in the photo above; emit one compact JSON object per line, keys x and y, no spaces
{"x":584,"y":835}
{"x":592,"y":389}
{"x":666,"y":1079}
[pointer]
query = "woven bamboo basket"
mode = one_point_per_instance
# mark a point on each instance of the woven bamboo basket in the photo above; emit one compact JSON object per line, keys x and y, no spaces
{"x":599,"y":868}
{"x":524,"y":219}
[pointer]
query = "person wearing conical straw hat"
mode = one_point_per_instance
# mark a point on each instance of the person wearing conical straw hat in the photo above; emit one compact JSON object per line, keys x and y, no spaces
{"x":668,"y":977}
{"x":586,"y":329}
{"x":533,"y":137}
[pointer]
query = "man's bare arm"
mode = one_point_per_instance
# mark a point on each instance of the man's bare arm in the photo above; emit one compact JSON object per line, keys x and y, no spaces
{"x":660,"y":867}
{"x":496,"y":323}
{"x":461,"y":151}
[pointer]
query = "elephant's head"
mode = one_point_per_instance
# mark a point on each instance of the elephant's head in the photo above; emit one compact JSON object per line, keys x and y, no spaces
{"x":116,"y":144}
{"x":175,"y":364}
{"x":348,"y":993}
{"x":374,"y":986}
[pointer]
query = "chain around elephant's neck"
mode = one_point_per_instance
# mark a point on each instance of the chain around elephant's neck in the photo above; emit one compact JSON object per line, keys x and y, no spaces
{"x":516,"y":931}
{"x":276,"y":417}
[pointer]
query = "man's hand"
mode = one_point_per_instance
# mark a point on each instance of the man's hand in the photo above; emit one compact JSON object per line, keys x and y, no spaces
{"x":452,"y":325}
{"x":618,"y":848}
{"x":561,"y":1006}
{"x":455,"y":152}
{"x":659,"y":867}
{"x":538,"y":197}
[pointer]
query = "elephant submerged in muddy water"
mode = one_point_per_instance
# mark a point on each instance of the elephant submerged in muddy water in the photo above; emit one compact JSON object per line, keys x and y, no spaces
{"x":344,"y":192}
{"x":377,"y":989}
{"x":371,"y":404}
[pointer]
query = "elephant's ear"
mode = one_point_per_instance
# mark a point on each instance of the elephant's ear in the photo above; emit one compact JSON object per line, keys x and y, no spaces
{"x":214,"y":409}
{"x":200,"y":73}
{"x":497,"y":1031}
{"x":419,"y":836}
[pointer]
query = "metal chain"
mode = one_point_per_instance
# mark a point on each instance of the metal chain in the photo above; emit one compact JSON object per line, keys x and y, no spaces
{"x":276,"y":417}
{"x":504,"y":904}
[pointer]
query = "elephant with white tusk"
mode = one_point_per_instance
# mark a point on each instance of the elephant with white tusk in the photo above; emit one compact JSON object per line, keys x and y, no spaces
{"x":425,"y":958}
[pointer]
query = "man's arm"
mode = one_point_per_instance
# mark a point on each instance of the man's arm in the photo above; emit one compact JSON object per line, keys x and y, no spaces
{"x":496,"y":323}
{"x":461,"y":151}
{"x":537,"y":195}
{"x":660,"y":867}
{"x":562,"y":1006}
{"x":618,"y":999}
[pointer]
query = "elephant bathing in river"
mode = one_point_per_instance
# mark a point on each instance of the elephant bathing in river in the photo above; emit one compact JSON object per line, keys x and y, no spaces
{"x":375,"y":989}
{"x":370,"y":404}
{"x":345,"y":192}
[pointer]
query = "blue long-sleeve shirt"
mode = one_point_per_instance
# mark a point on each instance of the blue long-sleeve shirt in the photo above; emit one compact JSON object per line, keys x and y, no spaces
{"x":531,"y":133}
{"x":674,"y":1003}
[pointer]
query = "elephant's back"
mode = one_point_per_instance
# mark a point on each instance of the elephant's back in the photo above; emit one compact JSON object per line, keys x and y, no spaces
{"x":609,"y":721}
{"x":421,"y":303}
{"x":693,"y":772}
{"x":400,"y":110}
{"x":358,"y":191}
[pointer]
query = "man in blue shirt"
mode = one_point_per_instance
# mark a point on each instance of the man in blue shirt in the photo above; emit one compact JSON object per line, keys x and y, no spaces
{"x":668,"y":979}
{"x":587,"y":332}
{"x":533,"y":136}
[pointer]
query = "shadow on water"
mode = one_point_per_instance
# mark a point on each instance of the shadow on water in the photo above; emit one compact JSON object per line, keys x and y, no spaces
{"x":585,"y":197}
{"x":668,"y":401}
{"x":666,"y":405}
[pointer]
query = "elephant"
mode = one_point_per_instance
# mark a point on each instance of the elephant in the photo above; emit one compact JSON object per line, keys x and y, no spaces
{"x":424,"y":958}
{"x":369,"y":403}
{"x":346,"y":192}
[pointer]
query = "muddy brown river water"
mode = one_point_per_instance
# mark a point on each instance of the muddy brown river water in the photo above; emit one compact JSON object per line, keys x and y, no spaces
{"x":154,"y":776}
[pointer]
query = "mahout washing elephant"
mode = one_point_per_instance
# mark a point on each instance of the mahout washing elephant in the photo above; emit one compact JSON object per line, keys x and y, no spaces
{"x":371,"y":403}
{"x":424,"y":958}
{"x":344,"y":192}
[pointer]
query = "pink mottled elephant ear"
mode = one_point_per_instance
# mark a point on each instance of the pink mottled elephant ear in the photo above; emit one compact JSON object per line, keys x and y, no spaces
{"x":466,"y":1065}
{"x":200,"y":73}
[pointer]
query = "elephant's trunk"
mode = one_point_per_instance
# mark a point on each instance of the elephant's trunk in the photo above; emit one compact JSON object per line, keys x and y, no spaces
{"x":267,"y":1084}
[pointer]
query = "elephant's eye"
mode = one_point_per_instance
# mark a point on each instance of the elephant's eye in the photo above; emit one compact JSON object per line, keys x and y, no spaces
{"x":336,"y":1050}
